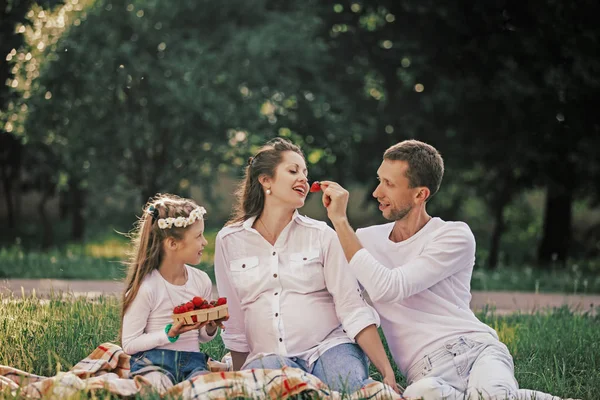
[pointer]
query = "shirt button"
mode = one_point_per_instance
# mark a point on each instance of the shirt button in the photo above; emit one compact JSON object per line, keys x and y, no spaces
{"x":243,"y":265}
{"x":304,"y":258}
{"x":274,"y":253}
{"x":274,"y":275}
{"x":280,"y":339}
{"x":277,"y":314}
{"x":275,"y":294}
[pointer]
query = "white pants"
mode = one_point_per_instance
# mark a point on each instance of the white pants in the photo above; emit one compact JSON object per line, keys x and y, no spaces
{"x":472,"y":367}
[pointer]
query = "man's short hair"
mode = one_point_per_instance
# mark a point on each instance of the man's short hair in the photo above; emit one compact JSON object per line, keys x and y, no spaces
{"x":425,"y":164}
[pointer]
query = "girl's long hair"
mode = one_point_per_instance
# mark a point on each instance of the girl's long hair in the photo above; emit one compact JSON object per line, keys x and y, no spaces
{"x":147,"y":242}
{"x":250,"y":195}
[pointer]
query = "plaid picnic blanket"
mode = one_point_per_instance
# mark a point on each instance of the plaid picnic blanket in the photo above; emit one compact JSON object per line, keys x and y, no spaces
{"x":107,"y":367}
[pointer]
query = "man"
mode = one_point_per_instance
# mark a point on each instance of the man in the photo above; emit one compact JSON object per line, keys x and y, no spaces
{"x":417,"y":271}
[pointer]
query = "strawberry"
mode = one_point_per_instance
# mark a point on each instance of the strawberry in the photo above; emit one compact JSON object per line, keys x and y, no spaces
{"x":315,"y":187}
{"x":189,"y":306}
{"x":194,"y":318}
{"x":197,"y":301}
{"x":222,"y":301}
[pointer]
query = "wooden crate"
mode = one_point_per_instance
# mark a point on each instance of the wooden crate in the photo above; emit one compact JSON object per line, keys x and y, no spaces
{"x":208,"y":314}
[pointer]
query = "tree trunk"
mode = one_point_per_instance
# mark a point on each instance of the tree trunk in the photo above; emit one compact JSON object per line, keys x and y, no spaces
{"x":499,"y":227}
{"x":63,"y":204}
{"x":556,"y":239}
{"x":78,"y":208}
{"x":47,"y":235}
{"x":10,"y":168}
{"x":7,"y":186}
{"x":18,"y":196}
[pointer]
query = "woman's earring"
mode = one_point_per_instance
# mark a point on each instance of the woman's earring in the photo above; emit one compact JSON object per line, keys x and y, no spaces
{"x":268,"y":191}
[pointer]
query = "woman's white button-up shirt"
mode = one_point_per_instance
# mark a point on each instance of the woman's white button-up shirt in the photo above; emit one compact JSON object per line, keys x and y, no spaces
{"x":296,"y":298}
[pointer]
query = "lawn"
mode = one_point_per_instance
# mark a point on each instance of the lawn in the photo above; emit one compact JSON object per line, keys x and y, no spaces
{"x":557,"y":353}
{"x":104,"y":260}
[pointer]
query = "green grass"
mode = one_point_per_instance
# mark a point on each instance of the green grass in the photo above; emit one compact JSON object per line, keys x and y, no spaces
{"x":58,"y":264}
{"x":557,"y":353}
{"x":103,"y":260}
{"x":96,"y":260}
{"x":572,"y":280}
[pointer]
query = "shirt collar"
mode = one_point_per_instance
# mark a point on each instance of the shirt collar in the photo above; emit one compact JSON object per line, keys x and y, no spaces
{"x":250,"y":221}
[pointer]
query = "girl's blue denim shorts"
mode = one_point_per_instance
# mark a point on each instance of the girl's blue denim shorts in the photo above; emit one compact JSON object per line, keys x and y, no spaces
{"x":177,"y":365}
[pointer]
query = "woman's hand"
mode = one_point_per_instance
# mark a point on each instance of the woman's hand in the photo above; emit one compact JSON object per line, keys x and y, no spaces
{"x":178,"y":328}
{"x":390,"y":380}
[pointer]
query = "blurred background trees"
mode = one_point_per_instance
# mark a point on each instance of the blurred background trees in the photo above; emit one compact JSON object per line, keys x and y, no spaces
{"x":105,"y":103}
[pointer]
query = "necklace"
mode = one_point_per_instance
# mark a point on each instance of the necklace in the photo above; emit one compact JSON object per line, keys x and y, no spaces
{"x":185,"y":289}
{"x":267,"y":229}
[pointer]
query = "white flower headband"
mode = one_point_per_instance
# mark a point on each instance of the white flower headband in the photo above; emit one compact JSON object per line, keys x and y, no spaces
{"x":179,"y":222}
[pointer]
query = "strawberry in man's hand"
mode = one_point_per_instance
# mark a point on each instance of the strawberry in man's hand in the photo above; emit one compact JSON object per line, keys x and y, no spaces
{"x":315,"y":187}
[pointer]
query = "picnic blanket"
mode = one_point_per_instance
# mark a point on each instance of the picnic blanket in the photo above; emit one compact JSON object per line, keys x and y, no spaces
{"x":107,"y":368}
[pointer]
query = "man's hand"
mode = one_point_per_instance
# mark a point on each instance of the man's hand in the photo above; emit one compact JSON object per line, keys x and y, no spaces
{"x":335,"y":199}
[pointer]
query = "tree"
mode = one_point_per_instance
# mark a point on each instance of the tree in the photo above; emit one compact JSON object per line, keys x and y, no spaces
{"x":489,"y":84}
{"x":161,"y":93}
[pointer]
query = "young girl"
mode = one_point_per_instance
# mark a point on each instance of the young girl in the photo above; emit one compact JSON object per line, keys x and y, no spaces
{"x":169,"y":235}
{"x":291,"y":299}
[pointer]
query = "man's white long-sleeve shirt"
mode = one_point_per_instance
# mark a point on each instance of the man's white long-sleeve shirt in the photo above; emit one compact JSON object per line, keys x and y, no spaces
{"x":295,"y":298}
{"x":420,"y":287}
{"x":145,"y":320}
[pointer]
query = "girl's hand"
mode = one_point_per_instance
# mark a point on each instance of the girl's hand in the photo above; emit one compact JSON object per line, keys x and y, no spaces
{"x":178,"y":328}
{"x":212,"y":326}
{"x":219,"y":322}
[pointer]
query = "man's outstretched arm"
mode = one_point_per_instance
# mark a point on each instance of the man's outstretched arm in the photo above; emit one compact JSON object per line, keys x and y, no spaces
{"x":448,"y":252}
{"x":335,"y":200}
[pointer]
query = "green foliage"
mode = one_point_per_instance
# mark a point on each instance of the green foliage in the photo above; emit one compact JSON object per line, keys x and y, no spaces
{"x":56,"y":264}
{"x":101,"y":259}
{"x":123,"y":99}
{"x":490,"y":85}
{"x":575,"y":279}
{"x":156,"y":95}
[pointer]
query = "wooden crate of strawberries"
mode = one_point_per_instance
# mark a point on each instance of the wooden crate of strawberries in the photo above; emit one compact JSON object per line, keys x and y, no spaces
{"x":200,"y":310}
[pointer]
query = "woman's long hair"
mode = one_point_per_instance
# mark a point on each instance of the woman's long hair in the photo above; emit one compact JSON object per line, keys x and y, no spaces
{"x":147,"y":242}
{"x":250,"y":195}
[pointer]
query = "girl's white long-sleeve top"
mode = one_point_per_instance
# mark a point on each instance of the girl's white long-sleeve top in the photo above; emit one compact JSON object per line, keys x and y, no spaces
{"x":146,"y":318}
